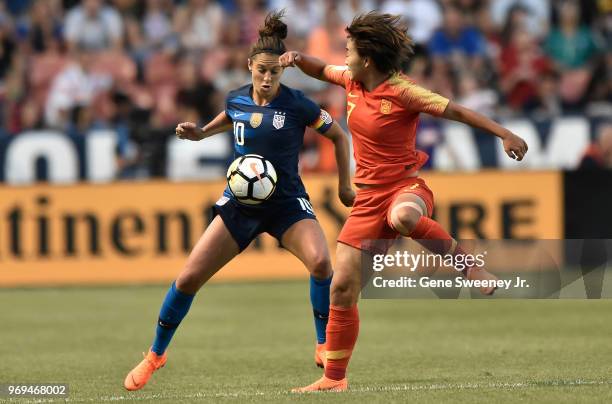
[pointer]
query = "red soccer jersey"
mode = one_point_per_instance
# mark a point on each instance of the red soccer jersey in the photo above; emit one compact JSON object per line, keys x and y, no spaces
{"x":383,"y":124}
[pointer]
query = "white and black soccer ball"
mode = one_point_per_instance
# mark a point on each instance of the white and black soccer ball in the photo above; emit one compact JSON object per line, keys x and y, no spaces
{"x":251,"y":179}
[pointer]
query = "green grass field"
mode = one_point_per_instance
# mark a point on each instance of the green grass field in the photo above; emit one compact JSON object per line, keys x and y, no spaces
{"x":253,"y":342}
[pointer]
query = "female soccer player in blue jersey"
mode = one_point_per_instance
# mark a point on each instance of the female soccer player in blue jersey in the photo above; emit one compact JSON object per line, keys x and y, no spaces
{"x":269,"y":119}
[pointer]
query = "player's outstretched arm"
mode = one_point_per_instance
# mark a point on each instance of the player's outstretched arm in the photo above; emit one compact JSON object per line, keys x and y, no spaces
{"x":190,"y":131}
{"x":514,"y":145}
{"x":341,"y":148}
{"x":308,"y":64}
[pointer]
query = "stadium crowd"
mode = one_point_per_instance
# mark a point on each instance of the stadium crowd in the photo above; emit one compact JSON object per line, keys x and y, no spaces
{"x":141,"y":66}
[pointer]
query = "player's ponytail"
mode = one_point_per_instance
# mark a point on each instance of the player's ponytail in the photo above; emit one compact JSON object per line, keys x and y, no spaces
{"x":271,"y":35}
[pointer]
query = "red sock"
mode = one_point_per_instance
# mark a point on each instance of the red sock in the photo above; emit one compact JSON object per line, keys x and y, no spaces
{"x":342,"y":331}
{"x":432,"y":236}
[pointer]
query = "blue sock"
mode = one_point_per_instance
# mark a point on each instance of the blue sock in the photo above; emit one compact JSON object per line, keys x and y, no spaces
{"x":319,"y":297}
{"x":173,"y":310}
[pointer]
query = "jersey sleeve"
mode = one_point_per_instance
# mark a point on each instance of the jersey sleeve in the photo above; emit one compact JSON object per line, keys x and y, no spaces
{"x":323,"y":122}
{"x":312,"y":115}
{"x":337,"y":75}
{"x":418,"y":99}
{"x":227,"y":107}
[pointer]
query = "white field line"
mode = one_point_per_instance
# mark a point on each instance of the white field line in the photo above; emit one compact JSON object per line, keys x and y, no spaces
{"x":364,"y":389}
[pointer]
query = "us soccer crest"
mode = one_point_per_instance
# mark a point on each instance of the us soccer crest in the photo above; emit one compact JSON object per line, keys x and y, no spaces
{"x":256,"y":119}
{"x":385,"y":106}
{"x":279,"y":120}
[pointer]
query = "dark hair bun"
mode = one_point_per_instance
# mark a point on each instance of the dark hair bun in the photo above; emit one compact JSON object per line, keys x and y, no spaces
{"x":274,"y":26}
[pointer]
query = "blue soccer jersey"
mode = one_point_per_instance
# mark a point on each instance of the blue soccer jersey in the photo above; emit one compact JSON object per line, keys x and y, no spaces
{"x":276,"y":132}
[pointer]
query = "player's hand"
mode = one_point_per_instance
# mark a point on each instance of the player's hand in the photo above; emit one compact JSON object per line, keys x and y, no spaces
{"x":515,"y":147}
{"x":289,"y":58}
{"x":189,"y":131}
{"x":346,"y":195}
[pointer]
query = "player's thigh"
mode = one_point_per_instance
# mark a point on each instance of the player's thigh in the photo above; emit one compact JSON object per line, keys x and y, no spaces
{"x":305,"y":240}
{"x":214,"y":249}
{"x":346,"y":284}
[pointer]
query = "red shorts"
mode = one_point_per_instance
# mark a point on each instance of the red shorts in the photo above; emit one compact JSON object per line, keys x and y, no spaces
{"x":370,"y":216}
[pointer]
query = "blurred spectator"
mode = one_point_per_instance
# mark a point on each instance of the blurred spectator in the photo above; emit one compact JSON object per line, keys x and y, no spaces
{"x":75,"y":86}
{"x":93,"y":26}
{"x":14,"y":92}
{"x":423,"y":17}
{"x":128,"y":154}
{"x":234,"y":74}
{"x":199,"y":24}
{"x":153,"y":34}
{"x":42,"y":26}
{"x":598,"y":155}
{"x":516,"y":20}
{"x":156,"y":24}
{"x":81,"y":120}
{"x":7,"y":47}
{"x":475,"y":96}
{"x":302,"y":16}
{"x":537,"y":13}
{"x":471,"y":9}
{"x":571,"y":45}
{"x":490,"y":32}
{"x":195,"y":97}
{"x":546,"y":102}
{"x":522,"y":64}
{"x":247,"y":20}
{"x":17,"y":7}
{"x":30,"y":117}
{"x":605,"y":22}
{"x":441,"y":79}
{"x":573,"y":49}
{"x":348,"y":9}
{"x":328,"y":41}
{"x":419,"y":66}
{"x":601,"y":91}
{"x":128,"y":7}
{"x":455,"y":42}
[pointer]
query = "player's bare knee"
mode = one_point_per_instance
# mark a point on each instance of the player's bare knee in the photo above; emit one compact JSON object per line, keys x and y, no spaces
{"x":344,"y":294}
{"x":405,"y":219}
{"x":320,"y":266}
{"x":188,"y":281}
{"x":345,"y":298}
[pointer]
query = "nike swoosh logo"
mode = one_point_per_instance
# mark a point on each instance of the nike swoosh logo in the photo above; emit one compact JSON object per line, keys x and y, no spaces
{"x":353,"y":95}
{"x":134,"y":381}
{"x":237,"y":114}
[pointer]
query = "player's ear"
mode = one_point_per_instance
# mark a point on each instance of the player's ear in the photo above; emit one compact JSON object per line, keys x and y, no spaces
{"x":250,"y":64}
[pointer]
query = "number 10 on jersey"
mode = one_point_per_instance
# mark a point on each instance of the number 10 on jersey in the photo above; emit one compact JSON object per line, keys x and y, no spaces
{"x":239,"y":133}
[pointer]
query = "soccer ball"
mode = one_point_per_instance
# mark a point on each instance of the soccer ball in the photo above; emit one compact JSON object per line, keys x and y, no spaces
{"x":251,"y":179}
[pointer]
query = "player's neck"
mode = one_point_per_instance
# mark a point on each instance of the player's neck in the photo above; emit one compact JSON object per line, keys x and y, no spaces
{"x":262,"y":100}
{"x":372,"y":79}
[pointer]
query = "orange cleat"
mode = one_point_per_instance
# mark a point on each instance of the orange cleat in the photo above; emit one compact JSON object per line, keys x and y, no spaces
{"x":320,"y":355}
{"x":324,"y":384}
{"x":140,"y":375}
{"x":482,"y":274}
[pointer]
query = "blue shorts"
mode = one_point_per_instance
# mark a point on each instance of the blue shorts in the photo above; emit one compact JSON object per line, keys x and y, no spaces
{"x":246,"y":222}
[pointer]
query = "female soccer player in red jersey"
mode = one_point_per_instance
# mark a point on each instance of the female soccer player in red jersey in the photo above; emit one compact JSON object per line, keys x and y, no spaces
{"x":383,"y":107}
